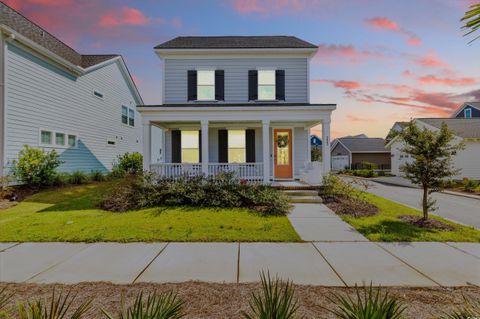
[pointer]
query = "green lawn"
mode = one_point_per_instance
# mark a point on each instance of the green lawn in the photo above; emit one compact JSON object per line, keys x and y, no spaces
{"x":385,"y":226}
{"x":69,"y":214}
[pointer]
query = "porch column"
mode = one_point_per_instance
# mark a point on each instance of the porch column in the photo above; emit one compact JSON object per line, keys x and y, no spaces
{"x":266,"y":150}
{"x":326,"y":146}
{"x":309,"y":146}
{"x":204,"y":125}
{"x":147,"y":145}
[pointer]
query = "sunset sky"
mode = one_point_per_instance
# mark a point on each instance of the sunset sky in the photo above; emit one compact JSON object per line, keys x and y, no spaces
{"x":380,"y":61}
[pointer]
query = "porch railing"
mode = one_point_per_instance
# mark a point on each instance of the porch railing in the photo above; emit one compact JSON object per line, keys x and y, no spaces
{"x":247,"y":171}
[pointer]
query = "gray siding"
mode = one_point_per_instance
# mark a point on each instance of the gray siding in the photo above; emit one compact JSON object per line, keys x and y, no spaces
{"x":41,"y":96}
{"x":339,"y":150}
{"x":236,"y":77}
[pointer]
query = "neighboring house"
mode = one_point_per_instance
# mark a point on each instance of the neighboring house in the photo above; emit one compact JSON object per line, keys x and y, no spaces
{"x":466,"y":130}
{"x":83,"y":106}
{"x":468,"y":110}
{"x":315,"y":141}
{"x":351,"y":152}
{"x":237,"y":103}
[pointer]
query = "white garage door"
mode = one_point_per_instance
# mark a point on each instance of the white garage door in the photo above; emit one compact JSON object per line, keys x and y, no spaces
{"x":339,"y":162}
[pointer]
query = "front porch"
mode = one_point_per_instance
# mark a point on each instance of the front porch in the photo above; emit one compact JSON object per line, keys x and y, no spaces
{"x":259,"y":144}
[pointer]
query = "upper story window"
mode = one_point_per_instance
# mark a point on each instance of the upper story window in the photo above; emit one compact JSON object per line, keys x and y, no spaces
{"x":468,"y":113}
{"x":205,"y":85}
{"x":266,"y":85}
{"x":236,"y":146}
{"x":128,"y":116}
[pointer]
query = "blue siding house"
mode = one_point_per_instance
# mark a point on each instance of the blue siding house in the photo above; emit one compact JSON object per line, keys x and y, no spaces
{"x":315,"y":141}
{"x":468,"y":110}
{"x":83,"y":106}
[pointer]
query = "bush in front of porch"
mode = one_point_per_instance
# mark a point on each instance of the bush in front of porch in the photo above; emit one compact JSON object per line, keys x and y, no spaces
{"x":225,"y":190}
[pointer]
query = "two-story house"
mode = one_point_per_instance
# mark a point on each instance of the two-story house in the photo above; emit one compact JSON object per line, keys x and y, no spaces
{"x":237,"y":103}
{"x":52,"y":97}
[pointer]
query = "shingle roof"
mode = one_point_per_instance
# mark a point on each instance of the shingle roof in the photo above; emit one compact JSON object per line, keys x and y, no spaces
{"x":466,"y":128}
{"x":37,"y":34}
{"x":364,"y":144}
{"x":474,"y":104}
{"x":235,"y":42}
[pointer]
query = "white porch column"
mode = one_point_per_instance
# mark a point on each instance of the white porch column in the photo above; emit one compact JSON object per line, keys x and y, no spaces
{"x":309,"y":146}
{"x":266,"y":150}
{"x":326,"y":146}
{"x":204,"y":125}
{"x":147,"y":145}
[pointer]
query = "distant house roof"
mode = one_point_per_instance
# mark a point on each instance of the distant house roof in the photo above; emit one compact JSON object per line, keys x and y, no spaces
{"x":402,"y":125}
{"x":315,"y":140}
{"x":17,"y":22}
{"x":236,"y":42}
{"x":364,"y":144}
{"x":466,"y":128}
{"x":475,"y":105}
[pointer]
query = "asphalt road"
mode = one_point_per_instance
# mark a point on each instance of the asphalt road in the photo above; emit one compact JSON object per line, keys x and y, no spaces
{"x":460,"y":209}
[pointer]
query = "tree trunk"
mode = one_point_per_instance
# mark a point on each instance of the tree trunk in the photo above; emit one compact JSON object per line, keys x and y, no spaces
{"x":425,"y":203}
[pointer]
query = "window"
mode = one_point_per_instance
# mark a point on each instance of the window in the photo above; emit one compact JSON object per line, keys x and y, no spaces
{"x":236,"y":146}
{"x":72,"y":140}
{"x":60,"y":139}
{"x":46,"y":138}
{"x":190,"y":146}
{"x":131,"y":117}
{"x":128,"y":116}
{"x":468,"y":113}
{"x":266,"y":85}
{"x":205,"y":85}
{"x":98,"y":94}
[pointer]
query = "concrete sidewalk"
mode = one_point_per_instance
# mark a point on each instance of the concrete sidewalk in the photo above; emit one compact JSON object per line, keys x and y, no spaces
{"x":316,"y":263}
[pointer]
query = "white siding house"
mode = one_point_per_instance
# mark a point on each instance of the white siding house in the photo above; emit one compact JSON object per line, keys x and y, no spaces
{"x":50,"y":102}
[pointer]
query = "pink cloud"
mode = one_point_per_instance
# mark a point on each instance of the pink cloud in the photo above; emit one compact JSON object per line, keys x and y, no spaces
{"x":55,"y":3}
{"x":123,"y":16}
{"x":432,"y":79}
{"x":358,"y":119}
{"x":333,"y":53}
{"x":431,"y":60}
{"x":348,"y":85}
{"x":383,"y":23}
{"x":267,"y":6}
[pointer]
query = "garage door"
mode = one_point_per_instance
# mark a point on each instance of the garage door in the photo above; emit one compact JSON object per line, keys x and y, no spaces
{"x":339,"y":162}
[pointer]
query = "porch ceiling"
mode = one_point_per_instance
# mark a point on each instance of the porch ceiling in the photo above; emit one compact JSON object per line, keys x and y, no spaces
{"x":232,"y":124}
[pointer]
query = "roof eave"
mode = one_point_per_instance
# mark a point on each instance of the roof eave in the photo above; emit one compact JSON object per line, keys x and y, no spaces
{"x":163,"y":52}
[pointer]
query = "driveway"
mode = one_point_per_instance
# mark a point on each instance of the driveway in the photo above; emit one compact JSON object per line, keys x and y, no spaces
{"x":457,"y":208}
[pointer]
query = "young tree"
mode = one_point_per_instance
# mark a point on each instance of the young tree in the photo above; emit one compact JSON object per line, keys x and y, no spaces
{"x":432,"y":152}
{"x":472,"y":20}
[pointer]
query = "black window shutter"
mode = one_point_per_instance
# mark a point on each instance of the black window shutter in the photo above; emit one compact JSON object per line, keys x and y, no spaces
{"x":280,"y":85}
{"x":192,"y":85}
{"x":222,"y":146}
{"x":200,"y":146}
{"x":252,"y":85}
{"x":176,"y":146}
{"x":250,"y":145}
{"x":219,"y":85}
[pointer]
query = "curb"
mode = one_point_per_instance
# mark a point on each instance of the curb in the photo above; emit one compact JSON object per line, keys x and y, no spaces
{"x":461,"y":194}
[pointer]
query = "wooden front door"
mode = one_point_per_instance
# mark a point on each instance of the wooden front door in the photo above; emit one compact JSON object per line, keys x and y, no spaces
{"x":282,"y":148}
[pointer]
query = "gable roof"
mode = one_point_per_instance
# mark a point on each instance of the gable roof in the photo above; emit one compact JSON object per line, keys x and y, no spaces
{"x":466,"y":128}
{"x":475,"y":105}
{"x":236,"y":42}
{"x":363,"y":144}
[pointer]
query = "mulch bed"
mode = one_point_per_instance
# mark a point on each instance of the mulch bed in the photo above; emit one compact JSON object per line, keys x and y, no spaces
{"x":215,"y":301}
{"x":15,"y":194}
{"x":350,"y":206}
{"x":429,"y":223}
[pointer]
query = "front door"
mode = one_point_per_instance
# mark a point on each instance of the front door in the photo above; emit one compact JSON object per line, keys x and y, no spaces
{"x":282,"y":139}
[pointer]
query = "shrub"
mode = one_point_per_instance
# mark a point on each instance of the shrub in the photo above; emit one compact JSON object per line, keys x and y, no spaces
{"x":470,"y":309}
{"x":469,"y":185}
{"x":61,"y":179}
{"x":79,"y":177}
{"x":364,"y":173}
{"x":35,"y":167}
{"x":449,"y":183}
{"x":97,"y":176}
{"x":275,"y":301}
{"x":368,"y":304}
{"x":148,"y":190}
{"x":368,"y":165}
{"x":128,"y":163}
{"x":156,"y":306}
{"x":316,"y":154}
{"x":4,"y":299}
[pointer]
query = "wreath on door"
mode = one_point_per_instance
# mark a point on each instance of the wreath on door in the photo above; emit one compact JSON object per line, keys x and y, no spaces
{"x":282,"y":141}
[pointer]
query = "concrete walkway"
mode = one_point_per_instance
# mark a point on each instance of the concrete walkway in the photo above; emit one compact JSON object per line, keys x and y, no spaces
{"x":316,"y":263}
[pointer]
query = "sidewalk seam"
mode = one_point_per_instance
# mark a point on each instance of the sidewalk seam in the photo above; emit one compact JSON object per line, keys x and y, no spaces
{"x":463,"y":251}
{"x":238,"y":263}
{"x":148,"y":265}
{"x":5,"y":249}
{"x":403,"y":261}
{"x":330,"y":265}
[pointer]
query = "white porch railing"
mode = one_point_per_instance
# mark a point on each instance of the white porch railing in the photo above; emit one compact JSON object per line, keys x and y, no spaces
{"x":247,"y":171}
{"x":176,"y":170}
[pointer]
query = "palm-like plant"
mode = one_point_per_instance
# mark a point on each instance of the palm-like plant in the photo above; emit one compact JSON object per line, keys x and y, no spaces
{"x":369,"y":304}
{"x":276,"y":301}
{"x":470,"y":309}
{"x":472,"y":20}
{"x":57,"y":308}
{"x":156,"y":306}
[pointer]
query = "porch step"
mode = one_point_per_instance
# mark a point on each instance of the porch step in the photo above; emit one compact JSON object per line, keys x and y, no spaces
{"x":307,"y":192}
{"x":305,"y":199}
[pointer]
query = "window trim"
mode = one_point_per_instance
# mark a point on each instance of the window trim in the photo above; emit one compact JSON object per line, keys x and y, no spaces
{"x":54,"y":138}
{"x":469,"y":112}
{"x":203,"y":85}
{"x":274,"y":84}
{"x":237,"y":148}
{"x":129,"y":109}
{"x":189,"y":148}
